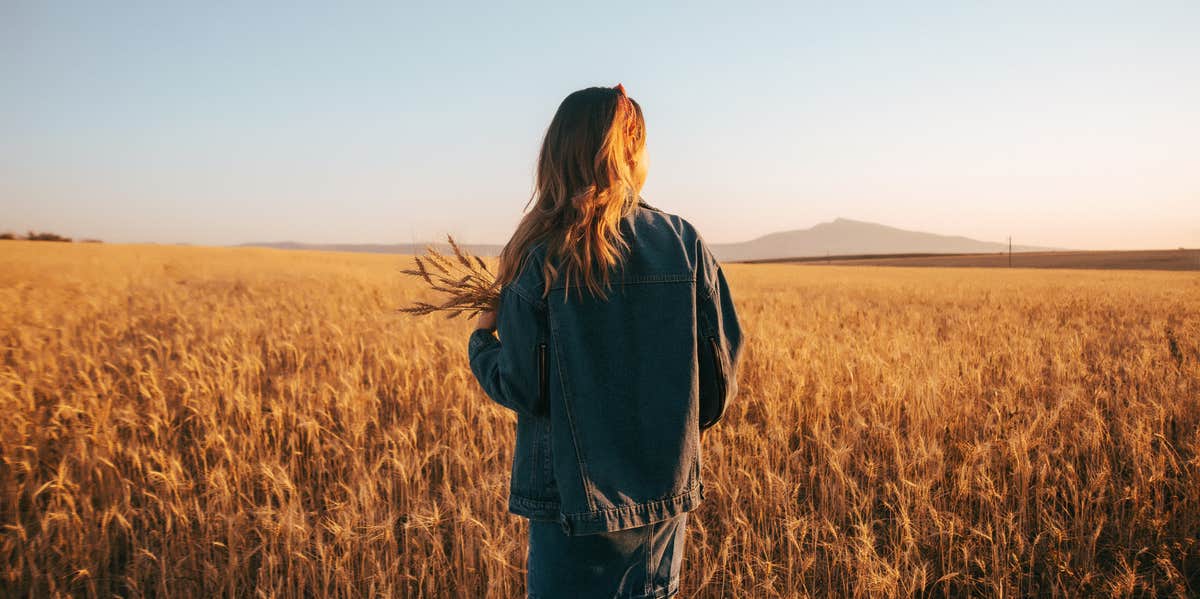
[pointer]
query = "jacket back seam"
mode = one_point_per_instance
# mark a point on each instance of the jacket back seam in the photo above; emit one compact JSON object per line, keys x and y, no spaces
{"x":585,"y":478}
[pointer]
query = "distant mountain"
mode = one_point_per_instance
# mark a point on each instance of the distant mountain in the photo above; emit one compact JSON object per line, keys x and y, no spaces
{"x":838,"y":238}
{"x":852,"y":237}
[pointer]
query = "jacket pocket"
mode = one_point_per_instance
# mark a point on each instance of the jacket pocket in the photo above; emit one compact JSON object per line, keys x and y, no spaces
{"x":718,"y":368}
{"x":532,"y":467}
{"x":543,"y":365}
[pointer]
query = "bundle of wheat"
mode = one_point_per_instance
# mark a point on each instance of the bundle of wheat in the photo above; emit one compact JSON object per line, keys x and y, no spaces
{"x":467,"y":280}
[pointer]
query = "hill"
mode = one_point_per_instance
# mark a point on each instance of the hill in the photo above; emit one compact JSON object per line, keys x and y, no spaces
{"x":844,"y":236}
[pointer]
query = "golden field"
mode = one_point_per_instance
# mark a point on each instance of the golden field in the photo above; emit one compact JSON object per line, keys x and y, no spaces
{"x":248,"y":422}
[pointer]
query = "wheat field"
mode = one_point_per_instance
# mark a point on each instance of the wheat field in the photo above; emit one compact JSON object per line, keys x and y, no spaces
{"x":195,"y":422}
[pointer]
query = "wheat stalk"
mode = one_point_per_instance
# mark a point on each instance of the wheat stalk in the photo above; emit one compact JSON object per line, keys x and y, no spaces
{"x":466,"y":279}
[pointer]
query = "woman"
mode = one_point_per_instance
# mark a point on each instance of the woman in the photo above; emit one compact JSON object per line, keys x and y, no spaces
{"x":618,"y":343}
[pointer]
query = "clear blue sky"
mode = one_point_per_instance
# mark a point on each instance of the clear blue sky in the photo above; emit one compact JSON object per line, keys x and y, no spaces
{"x":1072,"y":124}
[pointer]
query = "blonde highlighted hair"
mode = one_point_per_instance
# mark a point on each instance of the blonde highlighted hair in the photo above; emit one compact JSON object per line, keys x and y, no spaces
{"x":590,"y":172}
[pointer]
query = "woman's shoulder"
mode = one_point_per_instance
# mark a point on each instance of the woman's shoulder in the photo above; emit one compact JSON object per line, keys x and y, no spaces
{"x":529,"y":278}
{"x":674,"y":223}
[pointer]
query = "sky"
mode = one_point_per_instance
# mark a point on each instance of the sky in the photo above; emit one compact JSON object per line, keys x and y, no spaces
{"x":1065,"y":124}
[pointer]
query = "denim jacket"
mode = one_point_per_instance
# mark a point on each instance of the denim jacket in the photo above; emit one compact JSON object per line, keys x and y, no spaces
{"x":611,"y":395}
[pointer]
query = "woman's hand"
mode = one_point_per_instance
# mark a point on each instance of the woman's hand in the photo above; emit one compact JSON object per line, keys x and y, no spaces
{"x":487,"y":320}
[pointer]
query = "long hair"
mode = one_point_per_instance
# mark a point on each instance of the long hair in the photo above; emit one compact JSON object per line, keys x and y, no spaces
{"x":590,"y":172}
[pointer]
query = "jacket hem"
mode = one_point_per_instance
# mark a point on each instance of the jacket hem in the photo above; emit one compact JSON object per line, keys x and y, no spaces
{"x":630,"y":516}
{"x":606,"y":520}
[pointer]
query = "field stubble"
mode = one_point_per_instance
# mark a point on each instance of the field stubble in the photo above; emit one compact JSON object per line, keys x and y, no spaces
{"x":204,"y":421}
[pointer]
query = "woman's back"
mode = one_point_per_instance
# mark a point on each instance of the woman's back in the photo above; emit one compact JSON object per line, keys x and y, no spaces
{"x":618,"y":385}
{"x":611,"y":394}
{"x":624,"y":391}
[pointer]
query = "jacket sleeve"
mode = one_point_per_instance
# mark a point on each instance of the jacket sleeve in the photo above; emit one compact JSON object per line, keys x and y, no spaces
{"x":507,"y":367}
{"x":719,"y":339}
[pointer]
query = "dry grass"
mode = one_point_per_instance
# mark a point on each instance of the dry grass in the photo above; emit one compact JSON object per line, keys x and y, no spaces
{"x":195,"y":422}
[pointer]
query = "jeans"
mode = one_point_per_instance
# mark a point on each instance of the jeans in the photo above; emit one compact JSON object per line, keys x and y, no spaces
{"x":635,"y":563}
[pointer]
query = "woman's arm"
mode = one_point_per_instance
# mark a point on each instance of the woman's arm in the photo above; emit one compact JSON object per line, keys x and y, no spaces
{"x":719,"y":334}
{"x":506,"y":368}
